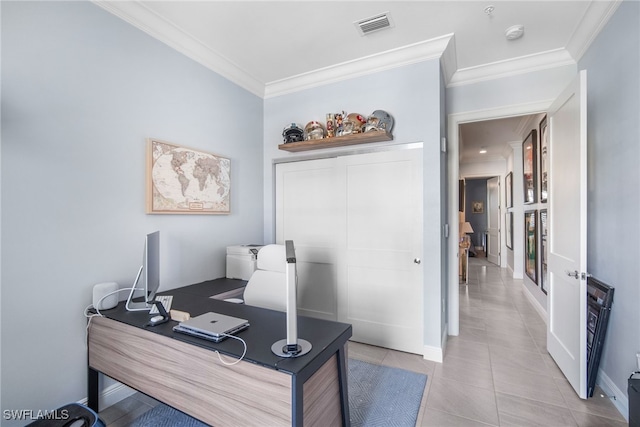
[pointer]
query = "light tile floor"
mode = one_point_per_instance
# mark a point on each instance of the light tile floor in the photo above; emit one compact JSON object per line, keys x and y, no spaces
{"x":496,"y":372}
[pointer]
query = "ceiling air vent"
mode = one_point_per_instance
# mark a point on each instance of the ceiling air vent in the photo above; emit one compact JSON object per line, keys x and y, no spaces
{"x":375,"y":23}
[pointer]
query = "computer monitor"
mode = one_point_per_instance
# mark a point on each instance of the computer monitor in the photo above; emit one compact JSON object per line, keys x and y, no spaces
{"x":292,"y":346}
{"x":148,"y":278}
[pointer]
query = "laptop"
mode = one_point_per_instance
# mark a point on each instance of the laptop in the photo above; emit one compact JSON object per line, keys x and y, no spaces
{"x":212,"y":326}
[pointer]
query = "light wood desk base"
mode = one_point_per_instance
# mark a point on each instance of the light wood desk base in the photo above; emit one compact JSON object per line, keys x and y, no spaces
{"x":193,"y":380}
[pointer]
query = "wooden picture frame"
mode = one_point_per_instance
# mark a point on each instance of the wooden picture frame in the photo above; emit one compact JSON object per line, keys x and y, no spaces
{"x":544,"y":250}
{"x":531,"y":246}
{"x":508,"y":225}
{"x":529,"y":156}
{"x":508,"y":190}
{"x":544,"y":160}
{"x":183,"y":180}
{"x":477,"y":207}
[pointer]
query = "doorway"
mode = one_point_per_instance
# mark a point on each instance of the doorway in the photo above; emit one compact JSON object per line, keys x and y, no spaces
{"x":457,"y":166}
{"x":482,"y":212}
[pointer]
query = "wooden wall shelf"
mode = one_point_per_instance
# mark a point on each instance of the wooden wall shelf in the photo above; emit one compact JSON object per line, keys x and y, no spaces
{"x":338,"y":141}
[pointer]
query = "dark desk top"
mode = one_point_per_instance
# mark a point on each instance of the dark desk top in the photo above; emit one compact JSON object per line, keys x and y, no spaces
{"x":266,"y":327}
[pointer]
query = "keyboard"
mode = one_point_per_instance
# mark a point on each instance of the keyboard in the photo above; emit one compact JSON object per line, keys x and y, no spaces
{"x":166,"y":301}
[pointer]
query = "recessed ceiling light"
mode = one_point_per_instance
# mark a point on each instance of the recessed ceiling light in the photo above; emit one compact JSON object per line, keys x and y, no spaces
{"x":483,"y":150}
{"x":514,"y":32}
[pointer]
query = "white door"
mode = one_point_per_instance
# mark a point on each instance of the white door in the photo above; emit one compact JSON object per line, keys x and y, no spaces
{"x":380,"y":289}
{"x":493,"y":220}
{"x":356,"y":222}
{"x":567,"y":219}
{"x":306,"y":207}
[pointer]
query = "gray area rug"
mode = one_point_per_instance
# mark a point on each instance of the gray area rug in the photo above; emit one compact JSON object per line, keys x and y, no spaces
{"x":383,"y":396}
{"x":378,"y":396}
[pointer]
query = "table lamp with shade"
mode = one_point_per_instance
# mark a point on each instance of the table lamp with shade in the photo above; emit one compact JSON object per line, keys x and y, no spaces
{"x":465,"y":228}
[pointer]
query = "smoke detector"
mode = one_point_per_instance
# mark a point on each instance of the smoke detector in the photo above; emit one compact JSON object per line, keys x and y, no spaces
{"x":374,"y":23}
{"x":514,"y":32}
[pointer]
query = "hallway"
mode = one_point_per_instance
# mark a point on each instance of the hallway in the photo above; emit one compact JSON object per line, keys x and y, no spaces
{"x":498,"y":372}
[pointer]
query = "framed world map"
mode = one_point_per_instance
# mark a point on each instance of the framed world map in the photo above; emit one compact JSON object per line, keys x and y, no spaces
{"x":182,"y":180}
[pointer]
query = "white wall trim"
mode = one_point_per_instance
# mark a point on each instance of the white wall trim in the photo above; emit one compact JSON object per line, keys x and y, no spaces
{"x":394,"y":58}
{"x":443,"y":47}
{"x":534,"y":302}
{"x":454,"y":120}
{"x":433,"y":353}
{"x":621,"y":402}
{"x":143,"y":18}
{"x":436,"y":354}
{"x":111,"y":395}
{"x":512,"y":67}
{"x":596,"y":17}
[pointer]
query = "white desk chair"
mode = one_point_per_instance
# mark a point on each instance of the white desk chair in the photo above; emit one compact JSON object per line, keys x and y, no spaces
{"x":267,"y":287}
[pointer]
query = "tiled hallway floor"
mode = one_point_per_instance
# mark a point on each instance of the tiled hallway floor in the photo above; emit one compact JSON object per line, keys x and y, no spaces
{"x":496,"y":372}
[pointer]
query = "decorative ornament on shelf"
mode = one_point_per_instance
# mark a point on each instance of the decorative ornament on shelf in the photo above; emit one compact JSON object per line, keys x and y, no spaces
{"x":314,"y":130}
{"x":330,"y":126}
{"x":339,"y":130}
{"x":292,"y":133}
{"x":354,"y":123}
{"x":339,"y":122}
{"x":379,"y":120}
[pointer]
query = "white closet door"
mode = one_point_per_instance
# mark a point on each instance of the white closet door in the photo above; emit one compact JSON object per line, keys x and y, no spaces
{"x":356,"y":222}
{"x":306,"y":212}
{"x":380,"y":289}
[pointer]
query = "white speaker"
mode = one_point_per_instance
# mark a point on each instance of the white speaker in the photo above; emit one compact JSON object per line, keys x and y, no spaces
{"x":102,"y":289}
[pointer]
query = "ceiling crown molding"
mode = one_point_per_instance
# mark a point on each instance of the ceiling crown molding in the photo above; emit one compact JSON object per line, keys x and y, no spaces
{"x":449,"y":60}
{"x":595,"y":18}
{"x":394,"y":58}
{"x":141,"y":17}
{"x":512,"y":67}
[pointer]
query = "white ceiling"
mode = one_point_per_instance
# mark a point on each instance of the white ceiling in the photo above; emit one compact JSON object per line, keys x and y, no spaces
{"x":276,"y":47}
{"x":495,"y":136}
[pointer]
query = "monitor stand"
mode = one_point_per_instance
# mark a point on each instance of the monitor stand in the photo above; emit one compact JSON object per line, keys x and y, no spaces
{"x":136,"y":306}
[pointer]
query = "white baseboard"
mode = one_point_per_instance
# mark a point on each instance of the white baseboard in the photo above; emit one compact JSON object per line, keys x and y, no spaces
{"x":433,"y":353}
{"x":534,"y":302}
{"x":111,"y":395}
{"x":621,"y":401}
{"x":436,"y":354}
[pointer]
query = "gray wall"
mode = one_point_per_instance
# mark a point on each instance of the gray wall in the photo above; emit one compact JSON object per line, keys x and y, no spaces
{"x":81,"y":90}
{"x":613,"y":83}
{"x":412,"y":94}
{"x":476,"y":191}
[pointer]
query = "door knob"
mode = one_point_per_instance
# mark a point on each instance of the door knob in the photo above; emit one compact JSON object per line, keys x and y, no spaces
{"x":573,"y":274}
{"x":417,"y":260}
